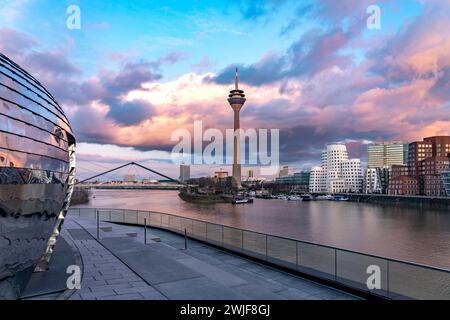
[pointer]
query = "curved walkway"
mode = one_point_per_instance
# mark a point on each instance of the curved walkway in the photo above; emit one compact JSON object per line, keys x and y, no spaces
{"x":120,"y":266}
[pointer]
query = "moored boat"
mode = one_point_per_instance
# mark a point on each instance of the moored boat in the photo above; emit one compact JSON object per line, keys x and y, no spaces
{"x":242,"y":201}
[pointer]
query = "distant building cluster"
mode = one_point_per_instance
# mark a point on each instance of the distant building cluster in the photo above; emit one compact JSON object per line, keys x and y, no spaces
{"x":337,"y":173}
{"x":395,"y":168}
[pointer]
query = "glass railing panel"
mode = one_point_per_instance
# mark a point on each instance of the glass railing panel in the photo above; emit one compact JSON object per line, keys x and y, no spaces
{"x":316,"y":260}
{"x":254,"y":244}
{"x":73,"y":212}
{"x":408,"y":281}
{"x":282,"y":252}
{"x":214,"y":233}
{"x":130,"y":216}
{"x":155,"y":219}
{"x":232,"y":238}
{"x":88,"y":213}
{"x":186,"y":224}
{"x":143,"y":218}
{"x":117,"y":215}
{"x":199,"y":229}
{"x":362,"y":272}
{"x":104,"y":214}
{"x":165,"y":221}
{"x":175,"y":223}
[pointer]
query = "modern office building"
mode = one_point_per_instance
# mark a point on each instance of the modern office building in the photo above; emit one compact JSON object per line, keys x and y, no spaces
{"x":403,"y":186}
{"x":352,"y":174}
{"x":284,"y":171}
{"x":380,"y":155}
{"x":185,"y":173}
{"x":337,"y":173}
{"x":298,"y":178}
{"x":376,"y":180}
{"x":372,"y":182}
{"x":37,"y":172}
{"x":317,"y":180}
{"x":418,"y":152}
{"x":445,"y":175}
{"x":433,"y":185}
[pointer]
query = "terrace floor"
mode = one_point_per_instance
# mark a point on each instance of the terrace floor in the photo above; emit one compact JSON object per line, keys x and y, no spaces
{"x":119,"y":266}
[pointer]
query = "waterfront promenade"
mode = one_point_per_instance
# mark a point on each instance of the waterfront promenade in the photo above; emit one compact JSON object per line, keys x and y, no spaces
{"x":120,"y":266}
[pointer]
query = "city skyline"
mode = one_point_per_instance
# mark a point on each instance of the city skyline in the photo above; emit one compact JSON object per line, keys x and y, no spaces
{"x":313,"y":70}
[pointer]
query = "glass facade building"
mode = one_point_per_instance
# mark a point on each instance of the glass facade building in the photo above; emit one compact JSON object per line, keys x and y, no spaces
{"x":37,"y":167}
{"x":381,"y":155}
{"x":298,"y":178}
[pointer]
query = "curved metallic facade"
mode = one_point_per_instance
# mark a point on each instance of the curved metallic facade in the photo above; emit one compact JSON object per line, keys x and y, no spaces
{"x":37,"y":167}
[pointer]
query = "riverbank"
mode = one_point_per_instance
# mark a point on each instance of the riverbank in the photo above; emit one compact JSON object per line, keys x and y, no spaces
{"x":422,"y":202}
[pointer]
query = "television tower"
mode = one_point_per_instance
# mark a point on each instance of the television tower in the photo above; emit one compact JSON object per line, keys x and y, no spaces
{"x":236,"y":99}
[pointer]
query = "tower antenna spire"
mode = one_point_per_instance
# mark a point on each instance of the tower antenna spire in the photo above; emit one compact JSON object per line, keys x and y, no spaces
{"x":237,"y":79}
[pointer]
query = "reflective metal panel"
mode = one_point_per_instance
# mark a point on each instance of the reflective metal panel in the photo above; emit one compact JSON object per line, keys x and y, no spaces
{"x":37,"y":171}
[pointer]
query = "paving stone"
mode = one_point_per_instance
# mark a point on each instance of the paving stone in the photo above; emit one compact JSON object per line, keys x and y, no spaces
{"x":131,"y":296}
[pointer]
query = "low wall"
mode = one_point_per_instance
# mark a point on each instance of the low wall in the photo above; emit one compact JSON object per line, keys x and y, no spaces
{"x":413,"y":201}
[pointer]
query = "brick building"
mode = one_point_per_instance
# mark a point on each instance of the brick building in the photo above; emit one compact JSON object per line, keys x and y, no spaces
{"x":432,"y":178}
{"x":403,"y":185}
{"x":426,"y":160}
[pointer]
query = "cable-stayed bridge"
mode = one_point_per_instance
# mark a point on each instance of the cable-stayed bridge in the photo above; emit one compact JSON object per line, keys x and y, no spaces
{"x":116,"y":183}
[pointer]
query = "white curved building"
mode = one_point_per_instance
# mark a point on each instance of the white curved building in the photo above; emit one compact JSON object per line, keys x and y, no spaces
{"x":337,"y":173}
{"x":317,"y":180}
{"x":352,"y":175}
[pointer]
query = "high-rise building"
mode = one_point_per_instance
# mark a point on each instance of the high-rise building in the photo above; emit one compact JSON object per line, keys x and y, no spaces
{"x":433,"y":185}
{"x":317,"y":180}
{"x":384,"y":154}
{"x":236,"y":99}
{"x":352,"y":173}
{"x":185,"y":173}
{"x":376,"y":180}
{"x":337,"y":173}
{"x":372,"y":183}
{"x":284,"y":171}
{"x":418,"y":153}
{"x":445,"y":175}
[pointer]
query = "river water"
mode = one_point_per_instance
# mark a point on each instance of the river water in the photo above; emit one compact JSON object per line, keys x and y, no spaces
{"x":404,"y":233}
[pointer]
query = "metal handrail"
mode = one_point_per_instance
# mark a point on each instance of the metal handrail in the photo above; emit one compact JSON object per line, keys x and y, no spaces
{"x":287,"y":261}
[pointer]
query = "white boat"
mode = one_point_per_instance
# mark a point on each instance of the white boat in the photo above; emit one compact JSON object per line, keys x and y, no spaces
{"x":326,"y":197}
{"x":294,"y":198}
{"x":242,"y":201}
{"x":340,"y":198}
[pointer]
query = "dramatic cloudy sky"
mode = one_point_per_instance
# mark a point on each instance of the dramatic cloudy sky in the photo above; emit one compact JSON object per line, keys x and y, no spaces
{"x":138,"y":70}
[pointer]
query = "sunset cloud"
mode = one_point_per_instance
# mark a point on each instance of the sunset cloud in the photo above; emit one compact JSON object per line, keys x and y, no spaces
{"x":332,"y":81}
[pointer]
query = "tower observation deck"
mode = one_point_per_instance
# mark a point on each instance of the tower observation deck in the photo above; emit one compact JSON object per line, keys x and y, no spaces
{"x":236,"y":99}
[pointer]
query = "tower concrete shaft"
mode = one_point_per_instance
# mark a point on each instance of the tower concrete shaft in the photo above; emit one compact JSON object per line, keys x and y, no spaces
{"x":236,"y":99}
